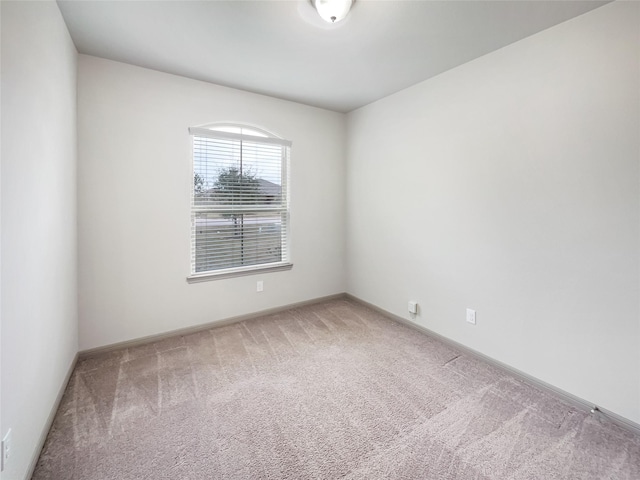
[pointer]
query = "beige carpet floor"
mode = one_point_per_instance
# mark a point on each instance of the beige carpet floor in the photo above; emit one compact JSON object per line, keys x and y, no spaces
{"x":328,"y":391}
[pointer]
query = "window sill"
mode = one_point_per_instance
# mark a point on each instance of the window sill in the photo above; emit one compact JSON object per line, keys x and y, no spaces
{"x":208,"y":276}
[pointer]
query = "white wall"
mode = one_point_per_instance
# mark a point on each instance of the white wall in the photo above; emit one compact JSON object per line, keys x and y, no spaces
{"x":39,"y":294}
{"x":134,"y":182}
{"x":511,"y":185}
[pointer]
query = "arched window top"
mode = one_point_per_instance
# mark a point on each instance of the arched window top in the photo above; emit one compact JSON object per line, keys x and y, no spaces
{"x":238,"y":130}
{"x":241,"y":129}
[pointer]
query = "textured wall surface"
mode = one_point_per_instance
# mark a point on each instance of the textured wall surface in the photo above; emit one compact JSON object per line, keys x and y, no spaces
{"x":134,"y":182}
{"x":39,"y":288}
{"x":510,"y":185}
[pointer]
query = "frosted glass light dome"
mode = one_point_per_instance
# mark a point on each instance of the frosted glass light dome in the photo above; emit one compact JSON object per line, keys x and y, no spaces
{"x":332,"y":11}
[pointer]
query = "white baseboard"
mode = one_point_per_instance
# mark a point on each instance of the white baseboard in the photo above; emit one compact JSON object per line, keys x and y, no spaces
{"x":577,"y":402}
{"x":50,"y":419}
{"x":198,"y":328}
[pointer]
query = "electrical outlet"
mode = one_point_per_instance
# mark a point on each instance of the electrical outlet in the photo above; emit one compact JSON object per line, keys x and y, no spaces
{"x":6,"y":449}
{"x":413,"y":307}
{"x":259,"y":286}
{"x":471,"y":316}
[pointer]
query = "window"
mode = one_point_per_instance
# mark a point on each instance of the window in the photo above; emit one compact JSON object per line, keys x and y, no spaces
{"x":240,"y":201}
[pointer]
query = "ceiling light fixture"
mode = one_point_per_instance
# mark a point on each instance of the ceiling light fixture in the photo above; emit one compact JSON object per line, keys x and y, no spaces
{"x":332,"y":11}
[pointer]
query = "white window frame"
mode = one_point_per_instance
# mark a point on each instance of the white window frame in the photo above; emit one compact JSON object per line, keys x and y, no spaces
{"x":249,"y":133}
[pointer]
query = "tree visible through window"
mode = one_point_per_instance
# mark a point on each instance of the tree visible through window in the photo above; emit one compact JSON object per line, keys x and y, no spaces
{"x":240,"y":206}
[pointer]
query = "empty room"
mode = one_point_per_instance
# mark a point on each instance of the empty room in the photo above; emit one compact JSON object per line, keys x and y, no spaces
{"x":320,"y":239}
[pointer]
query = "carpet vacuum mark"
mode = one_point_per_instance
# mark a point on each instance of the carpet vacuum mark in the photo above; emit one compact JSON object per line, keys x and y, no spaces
{"x":327,"y":391}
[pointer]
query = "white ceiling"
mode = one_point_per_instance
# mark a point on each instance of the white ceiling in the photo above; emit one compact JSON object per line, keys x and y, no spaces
{"x":283,"y":49}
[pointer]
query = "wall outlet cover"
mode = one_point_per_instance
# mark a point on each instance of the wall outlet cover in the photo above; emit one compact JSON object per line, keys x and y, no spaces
{"x":6,"y":449}
{"x":413,"y":307}
{"x":471,"y":316}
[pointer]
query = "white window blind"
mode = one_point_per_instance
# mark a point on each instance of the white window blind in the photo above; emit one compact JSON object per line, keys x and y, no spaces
{"x":240,"y":201}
